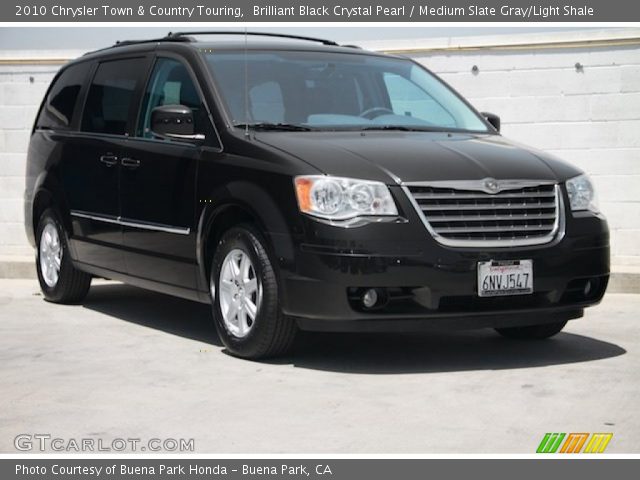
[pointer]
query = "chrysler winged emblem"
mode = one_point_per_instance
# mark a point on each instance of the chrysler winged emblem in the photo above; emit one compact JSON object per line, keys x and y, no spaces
{"x":491,"y":185}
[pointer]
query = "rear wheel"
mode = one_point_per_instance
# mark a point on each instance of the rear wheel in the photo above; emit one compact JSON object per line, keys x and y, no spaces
{"x":533,"y":332}
{"x":60,"y":281}
{"x":246,"y":303}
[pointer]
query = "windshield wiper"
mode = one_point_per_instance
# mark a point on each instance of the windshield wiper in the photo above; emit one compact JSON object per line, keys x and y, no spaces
{"x":282,"y":127}
{"x":402,"y":128}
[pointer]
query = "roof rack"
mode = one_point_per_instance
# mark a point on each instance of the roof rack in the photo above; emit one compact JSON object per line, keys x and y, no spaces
{"x":124,"y":43}
{"x":185,"y":35}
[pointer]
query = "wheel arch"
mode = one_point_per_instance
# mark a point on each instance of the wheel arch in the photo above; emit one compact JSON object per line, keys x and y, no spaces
{"x":236,"y":203}
{"x":48,"y":193}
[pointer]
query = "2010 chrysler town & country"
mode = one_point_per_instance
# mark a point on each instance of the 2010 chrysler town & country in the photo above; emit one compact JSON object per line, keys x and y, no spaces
{"x":297,"y":184}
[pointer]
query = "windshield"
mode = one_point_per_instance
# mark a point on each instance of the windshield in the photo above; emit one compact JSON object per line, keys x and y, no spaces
{"x":336,"y":91}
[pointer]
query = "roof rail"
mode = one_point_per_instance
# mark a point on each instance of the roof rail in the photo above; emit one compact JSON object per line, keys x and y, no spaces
{"x":185,"y":35}
{"x":124,"y":43}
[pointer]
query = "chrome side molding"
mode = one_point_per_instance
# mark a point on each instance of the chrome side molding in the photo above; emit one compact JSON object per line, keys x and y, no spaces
{"x":127,"y":222}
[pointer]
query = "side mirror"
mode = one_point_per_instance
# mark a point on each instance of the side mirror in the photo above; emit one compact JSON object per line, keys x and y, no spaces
{"x":174,"y":122}
{"x":493,"y":119}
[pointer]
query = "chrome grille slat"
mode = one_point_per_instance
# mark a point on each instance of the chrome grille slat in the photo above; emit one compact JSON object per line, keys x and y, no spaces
{"x":454,"y":196}
{"x":502,"y":228}
{"x":465,"y":214}
{"x":495,"y":206}
{"x":478,"y":218}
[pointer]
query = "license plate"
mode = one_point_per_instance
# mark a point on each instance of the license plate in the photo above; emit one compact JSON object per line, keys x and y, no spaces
{"x":499,"y":278}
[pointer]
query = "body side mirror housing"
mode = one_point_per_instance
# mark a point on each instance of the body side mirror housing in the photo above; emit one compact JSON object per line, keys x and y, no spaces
{"x":493,"y":119}
{"x":174,"y":122}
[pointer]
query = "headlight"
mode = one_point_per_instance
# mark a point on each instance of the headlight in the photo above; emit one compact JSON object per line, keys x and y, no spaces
{"x":582,"y":194}
{"x":337,"y":198}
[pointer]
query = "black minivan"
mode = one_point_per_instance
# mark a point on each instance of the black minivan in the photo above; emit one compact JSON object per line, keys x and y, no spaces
{"x":297,"y":184}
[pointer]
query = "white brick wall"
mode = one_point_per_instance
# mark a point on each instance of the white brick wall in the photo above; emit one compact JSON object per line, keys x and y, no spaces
{"x":589,"y":117}
{"x":21,"y":90}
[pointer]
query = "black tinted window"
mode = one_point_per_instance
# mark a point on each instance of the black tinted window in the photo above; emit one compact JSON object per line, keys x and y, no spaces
{"x":110,"y":99}
{"x":58,"y":108}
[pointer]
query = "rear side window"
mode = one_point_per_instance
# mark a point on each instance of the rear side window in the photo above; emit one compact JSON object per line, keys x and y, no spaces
{"x":57,"y":110}
{"x":111,"y":96}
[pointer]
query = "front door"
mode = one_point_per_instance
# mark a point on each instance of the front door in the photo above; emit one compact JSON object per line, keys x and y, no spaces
{"x":158,"y":182}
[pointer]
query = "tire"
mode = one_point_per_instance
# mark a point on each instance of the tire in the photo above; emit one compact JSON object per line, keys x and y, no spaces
{"x":532,"y":332}
{"x":68,"y":285}
{"x":240,"y":290}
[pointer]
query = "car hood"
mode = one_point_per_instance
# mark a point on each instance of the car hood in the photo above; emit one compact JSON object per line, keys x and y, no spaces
{"x":391,"y":156}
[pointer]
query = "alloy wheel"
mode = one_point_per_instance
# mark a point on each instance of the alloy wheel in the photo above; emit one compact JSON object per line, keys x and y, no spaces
{"x":50,"y":254}
{"x":239,"y":293}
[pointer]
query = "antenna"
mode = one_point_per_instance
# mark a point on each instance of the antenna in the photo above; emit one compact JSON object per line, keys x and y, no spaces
{"x":246,"y":85}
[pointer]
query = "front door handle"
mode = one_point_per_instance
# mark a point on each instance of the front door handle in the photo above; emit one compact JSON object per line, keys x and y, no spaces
{"x":130,"y":162}
{"x":109,"y":160}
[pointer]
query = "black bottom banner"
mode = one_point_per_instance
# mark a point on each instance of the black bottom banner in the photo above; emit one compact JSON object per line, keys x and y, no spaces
{"x":320,"y":469}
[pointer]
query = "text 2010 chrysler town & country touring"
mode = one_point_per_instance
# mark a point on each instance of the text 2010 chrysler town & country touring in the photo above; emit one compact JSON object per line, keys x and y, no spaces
{"x":297,"y":184}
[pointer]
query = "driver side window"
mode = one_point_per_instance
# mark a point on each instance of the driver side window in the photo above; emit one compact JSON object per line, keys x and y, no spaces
{"x":171,"y":84}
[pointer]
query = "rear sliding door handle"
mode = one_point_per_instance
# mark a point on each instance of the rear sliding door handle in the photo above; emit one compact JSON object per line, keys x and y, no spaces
{"x":109,"y":160}
{"x":130,"y":162}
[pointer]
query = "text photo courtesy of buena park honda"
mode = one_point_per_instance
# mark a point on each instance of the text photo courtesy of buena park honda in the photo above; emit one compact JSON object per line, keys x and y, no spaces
{"x":303,"y":239}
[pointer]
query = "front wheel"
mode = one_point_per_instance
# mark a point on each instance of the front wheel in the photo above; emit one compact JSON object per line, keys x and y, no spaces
{"x":246,"y":303}
{"x":532,"y":332}
{"x":60,"y":281}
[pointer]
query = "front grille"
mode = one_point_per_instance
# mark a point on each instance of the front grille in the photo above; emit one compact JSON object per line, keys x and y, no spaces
{"x":470,"y":216}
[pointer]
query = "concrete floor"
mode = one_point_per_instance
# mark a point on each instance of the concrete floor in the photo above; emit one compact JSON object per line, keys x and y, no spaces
{"x":131,"y":363}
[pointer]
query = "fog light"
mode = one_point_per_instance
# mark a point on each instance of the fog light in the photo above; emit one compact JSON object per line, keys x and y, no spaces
{"x":588,"y":287}
{"x":370,"y":298}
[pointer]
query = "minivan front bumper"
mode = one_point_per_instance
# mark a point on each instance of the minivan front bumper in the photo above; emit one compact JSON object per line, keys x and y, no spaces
{"x":428,"y":285}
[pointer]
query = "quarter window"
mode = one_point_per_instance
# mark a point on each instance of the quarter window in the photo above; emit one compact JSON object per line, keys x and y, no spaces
{"x":57,"y":111}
